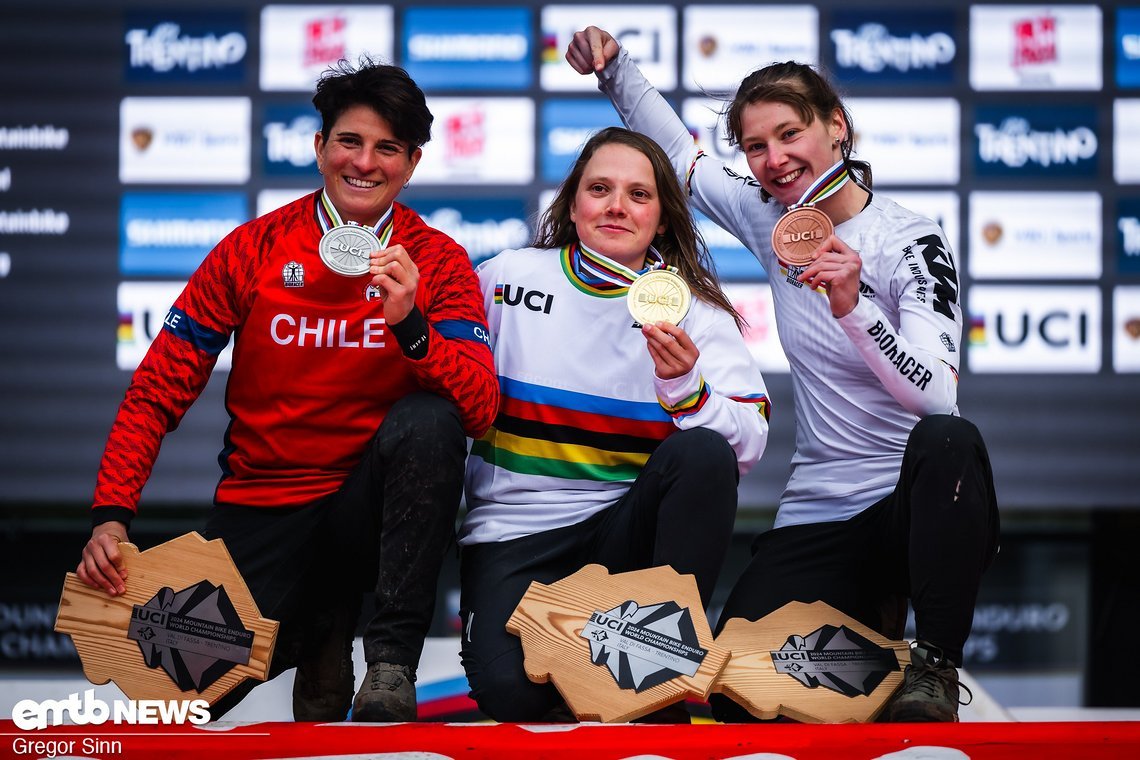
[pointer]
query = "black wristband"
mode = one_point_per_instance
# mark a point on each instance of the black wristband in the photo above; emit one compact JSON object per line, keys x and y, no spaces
{"x":109,"y":513}
{"x":412,"y":334}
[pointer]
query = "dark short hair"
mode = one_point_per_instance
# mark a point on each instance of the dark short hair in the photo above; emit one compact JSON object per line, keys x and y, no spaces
{"x":387,"y":90}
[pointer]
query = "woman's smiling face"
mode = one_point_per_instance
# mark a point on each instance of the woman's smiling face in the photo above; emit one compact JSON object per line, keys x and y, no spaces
{"x":616,"y":209}
{"x":364,"y":165}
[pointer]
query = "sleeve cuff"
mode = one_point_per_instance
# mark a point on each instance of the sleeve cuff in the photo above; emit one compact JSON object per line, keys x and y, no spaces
{"x":105,"y":514}
{"x":412,"y":334}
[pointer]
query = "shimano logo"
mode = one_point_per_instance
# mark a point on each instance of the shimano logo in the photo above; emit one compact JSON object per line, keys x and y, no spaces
{"x":872,"y":48}
{"x":567,"y":140}
{"x":178,"y":232}
{"x":165,"y":48}
{"x":467,"y":47}
{"x":1130,"y":44}
{"x":1015,"y":144}
{"x":1017,"y":618}
{"x":293,"y":142}
{"x":29,"y":714}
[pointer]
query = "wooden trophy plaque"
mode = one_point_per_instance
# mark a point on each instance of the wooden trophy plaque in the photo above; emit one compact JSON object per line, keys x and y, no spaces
{"x":811,"y":663}
{"x":618,"y":647}
{"x":186,"y":627}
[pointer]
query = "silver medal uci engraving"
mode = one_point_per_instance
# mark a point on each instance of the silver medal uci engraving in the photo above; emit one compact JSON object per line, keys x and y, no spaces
{"x":345,"y":249}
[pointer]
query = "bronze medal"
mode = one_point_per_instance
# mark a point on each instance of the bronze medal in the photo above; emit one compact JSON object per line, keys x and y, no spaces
{"x":799,"y":233}
{"x":659,"y":296}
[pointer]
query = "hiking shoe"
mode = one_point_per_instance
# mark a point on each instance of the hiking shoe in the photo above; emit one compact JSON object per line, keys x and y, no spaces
{"x":387,"y":694}
{"x":930,"y":689}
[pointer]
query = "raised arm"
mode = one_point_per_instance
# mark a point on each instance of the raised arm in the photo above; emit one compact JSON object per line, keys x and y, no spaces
{"x":729,"y":199}
{"x":641,"y":107}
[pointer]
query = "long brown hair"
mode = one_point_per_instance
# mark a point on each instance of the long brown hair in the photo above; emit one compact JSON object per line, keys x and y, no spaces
{"x":804,"y":89}
{"x":681,"y":244}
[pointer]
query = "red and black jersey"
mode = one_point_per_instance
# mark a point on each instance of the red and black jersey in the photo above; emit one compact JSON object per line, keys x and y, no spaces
{"x":315,"y":366}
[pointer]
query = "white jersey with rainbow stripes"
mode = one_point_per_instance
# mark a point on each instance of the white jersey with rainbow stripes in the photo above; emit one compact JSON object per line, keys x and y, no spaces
{"x":582,"y":408}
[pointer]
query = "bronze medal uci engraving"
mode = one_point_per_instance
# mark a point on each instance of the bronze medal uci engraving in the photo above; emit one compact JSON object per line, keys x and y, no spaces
{"x":659,"y":296}
{"x":345,"y":249}
{"x":799,"y":233}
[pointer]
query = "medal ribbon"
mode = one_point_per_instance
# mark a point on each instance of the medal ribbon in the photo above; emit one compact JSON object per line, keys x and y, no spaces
{"x":826,"y":186}
{"x":604,"y":275}
{"x":328,"y":217}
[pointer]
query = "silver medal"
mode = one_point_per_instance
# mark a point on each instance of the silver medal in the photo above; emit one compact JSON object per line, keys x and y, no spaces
{"x":345,"y":249}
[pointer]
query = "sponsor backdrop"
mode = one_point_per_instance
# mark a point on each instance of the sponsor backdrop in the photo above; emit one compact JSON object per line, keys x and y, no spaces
{"x":132,"y":139}
{"x":135,"y":135}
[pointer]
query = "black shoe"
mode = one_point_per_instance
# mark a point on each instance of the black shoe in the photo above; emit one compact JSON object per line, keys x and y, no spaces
{"x":674,"y":713}
{"x":930,"y":689}
{"x":322,"y":687}
{"x":560,"y":713}
{"x":388,"y":695}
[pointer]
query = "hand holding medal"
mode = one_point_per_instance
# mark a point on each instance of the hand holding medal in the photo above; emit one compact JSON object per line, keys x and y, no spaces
{"x":396,"y":276}
{"x":801,"y":230}
{"x":659,"y":295}
{"x":836,"y":270}
{"x":659,"y":300}
{"x":346,"y":247}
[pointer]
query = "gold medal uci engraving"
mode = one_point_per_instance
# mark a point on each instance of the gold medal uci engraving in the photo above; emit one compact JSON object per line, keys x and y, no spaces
{"x":345,"y":249}
{"x":798,"y":233}
{"x":659,"y":296}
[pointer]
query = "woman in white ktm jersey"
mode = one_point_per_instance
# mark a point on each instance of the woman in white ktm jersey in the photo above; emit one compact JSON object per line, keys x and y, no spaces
{"x":891,"y":492}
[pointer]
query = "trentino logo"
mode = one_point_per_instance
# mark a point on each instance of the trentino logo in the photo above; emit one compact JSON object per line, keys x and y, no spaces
{"x":875,"y":48}
{"x":1128,"y":47}
{"x":1128,"y":235}
{"x":199,"y":47}
{"x":1036,"y":141}
{"x":288,"y":134}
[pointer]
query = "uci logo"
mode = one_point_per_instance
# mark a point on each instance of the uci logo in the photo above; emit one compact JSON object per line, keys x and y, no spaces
{"x":604,"y":621}
{"x":535,"y":300}
{"x":149,"y":615}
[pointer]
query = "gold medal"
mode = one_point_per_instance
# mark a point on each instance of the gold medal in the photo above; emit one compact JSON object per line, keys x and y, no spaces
{"x":345,"y":249}
{"x":659,"y":296}
{"x":799,"y":233}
